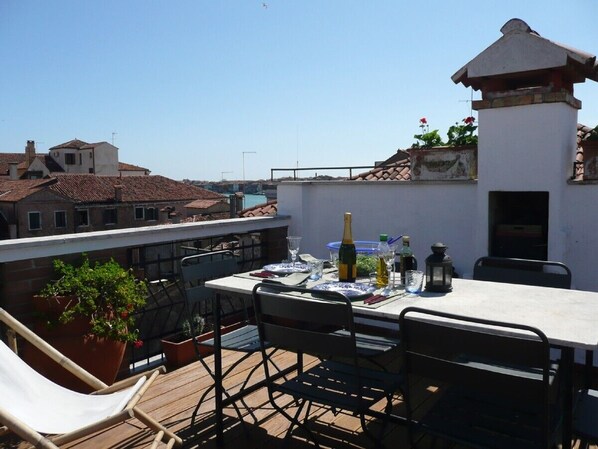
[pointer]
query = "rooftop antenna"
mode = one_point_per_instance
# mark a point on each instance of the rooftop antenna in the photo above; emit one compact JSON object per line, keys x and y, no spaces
{"x":113,"y":134}
{"x":297,"y":148}
{"x":470,"y":101}
{"x":222,"y":173}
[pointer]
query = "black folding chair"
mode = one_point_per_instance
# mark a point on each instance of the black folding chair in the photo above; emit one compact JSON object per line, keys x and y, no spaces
{"x":542,"y":273}
{"x":195,"y":270}
{"x":585,"y":417}
{"x":497,"y":384}
{"x":306,"y":321}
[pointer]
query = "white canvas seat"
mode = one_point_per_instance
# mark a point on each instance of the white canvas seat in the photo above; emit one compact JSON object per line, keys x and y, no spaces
{"x":33,"y":406}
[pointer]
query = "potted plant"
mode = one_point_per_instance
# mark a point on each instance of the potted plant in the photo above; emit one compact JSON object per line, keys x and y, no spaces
{"x":87,"y":313}
{"x":178,"y":348}
{"x":456,"y":159}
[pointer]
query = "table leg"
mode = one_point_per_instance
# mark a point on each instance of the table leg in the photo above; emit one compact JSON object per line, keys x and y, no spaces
{"x":567,"y":360}
{"x":218,"y":390}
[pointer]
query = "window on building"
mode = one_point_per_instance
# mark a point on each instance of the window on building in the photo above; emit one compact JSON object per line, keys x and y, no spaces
{"x":82,"y":217}
{"x":110,"y":216}
{"x":69,"y":159}
{"x":151,"y":213}
{"x":60,"y":219}
{"x":139,"y":213}
{"x":91,"y":170}
{"x":35,"y":221}
{"x":80,"y":159}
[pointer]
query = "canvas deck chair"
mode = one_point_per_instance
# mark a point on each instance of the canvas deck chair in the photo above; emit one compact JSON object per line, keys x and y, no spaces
{"x":48,"y":415}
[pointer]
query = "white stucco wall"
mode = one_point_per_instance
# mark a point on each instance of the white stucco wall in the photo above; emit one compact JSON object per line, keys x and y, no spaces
{"x":426,"y":211}
{"x":106,"y":159}
{"x":528,"y":148}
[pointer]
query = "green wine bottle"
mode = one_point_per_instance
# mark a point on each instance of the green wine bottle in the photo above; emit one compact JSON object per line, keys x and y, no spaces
{"x":347,"y":256}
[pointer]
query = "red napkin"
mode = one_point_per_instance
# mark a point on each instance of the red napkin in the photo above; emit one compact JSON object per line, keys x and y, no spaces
{"x":263,"y":274}
{"x":375,"y":299}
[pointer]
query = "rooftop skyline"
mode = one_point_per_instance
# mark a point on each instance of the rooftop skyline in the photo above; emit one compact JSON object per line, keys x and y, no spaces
{"x":185,"y":88}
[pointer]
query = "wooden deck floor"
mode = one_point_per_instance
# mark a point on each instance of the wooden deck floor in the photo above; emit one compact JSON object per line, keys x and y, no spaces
{"x":173,"y":397}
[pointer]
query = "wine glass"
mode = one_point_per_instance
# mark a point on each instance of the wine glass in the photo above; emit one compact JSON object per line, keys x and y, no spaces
{"x":389,"y":260}
{"x":293,"y":243}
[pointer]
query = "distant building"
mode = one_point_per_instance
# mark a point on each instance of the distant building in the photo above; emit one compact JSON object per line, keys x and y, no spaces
{"x":75,"y":157}
{"x":82,"y":187}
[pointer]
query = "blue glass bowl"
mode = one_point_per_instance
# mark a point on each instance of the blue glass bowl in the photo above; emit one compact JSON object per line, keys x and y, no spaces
{"x":361,"y":246}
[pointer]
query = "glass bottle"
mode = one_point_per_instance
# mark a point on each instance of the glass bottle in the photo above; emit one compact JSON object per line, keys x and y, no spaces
{"x":347,"y":256}
{"x":406,"y":258}
{"x":381,"y":271}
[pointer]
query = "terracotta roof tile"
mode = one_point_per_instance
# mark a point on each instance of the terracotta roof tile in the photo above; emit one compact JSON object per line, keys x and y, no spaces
{"x":91,"y":188}
{"x":396,"y":171}
{"x":259,"y":210}
{"x":16,"y":190}
{"x":122,"y":166}
{"x":204,"y":204}
{"x":76,"y":144}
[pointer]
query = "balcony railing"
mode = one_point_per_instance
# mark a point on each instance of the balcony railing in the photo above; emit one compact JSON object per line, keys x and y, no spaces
{"x":154,"y":253}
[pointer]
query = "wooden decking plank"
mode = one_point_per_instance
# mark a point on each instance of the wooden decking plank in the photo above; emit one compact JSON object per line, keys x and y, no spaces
{"x":174,"y":395}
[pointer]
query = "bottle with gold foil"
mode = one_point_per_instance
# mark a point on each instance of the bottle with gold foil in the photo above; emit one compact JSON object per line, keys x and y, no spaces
{"x":347,"y":256}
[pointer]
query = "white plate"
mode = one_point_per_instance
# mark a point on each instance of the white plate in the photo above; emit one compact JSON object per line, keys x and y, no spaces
{"x":287,"y":268}
{"x":351,"y":290}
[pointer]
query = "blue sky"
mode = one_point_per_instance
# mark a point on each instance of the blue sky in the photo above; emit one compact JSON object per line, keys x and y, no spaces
{"x":188,"y":86}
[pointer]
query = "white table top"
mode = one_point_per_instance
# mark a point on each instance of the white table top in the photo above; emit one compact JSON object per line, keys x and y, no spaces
{"x":567,"y":317}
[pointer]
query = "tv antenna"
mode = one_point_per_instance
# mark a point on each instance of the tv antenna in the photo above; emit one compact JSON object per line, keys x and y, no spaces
{"x":113,"y":134}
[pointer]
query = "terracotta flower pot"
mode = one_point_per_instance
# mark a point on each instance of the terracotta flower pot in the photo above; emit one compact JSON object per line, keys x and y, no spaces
{"x":181,"y":353}
{"x":102,"y":357}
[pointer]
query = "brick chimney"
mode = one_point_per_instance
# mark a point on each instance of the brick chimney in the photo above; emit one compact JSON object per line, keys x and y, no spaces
{"x":30,"y":152}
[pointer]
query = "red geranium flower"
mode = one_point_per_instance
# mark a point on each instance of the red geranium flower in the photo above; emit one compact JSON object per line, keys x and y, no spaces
{"x":138,"y":344}
{"x":124,"y":315}
{"x":423,"y":121}
{"x":468,"y":120}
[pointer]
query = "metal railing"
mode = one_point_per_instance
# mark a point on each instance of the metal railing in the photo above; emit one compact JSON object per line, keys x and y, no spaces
{"x":295,"y":170}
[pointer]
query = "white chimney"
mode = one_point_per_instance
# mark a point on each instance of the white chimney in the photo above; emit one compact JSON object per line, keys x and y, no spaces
{"x":12,"y":170}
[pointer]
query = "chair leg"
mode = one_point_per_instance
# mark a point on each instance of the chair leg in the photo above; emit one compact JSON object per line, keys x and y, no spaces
{"x":156,"y":426}
{"x":295,"y":421}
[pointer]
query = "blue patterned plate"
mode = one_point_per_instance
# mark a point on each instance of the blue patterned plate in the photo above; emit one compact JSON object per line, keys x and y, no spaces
{"x":351,"y":290}
{"x":287,"y":268}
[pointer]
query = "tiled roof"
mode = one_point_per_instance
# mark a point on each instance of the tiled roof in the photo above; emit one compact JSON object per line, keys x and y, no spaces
{"x":204,"y":204}
{"x":76,"y":144}
{"x":259,"y":210}
{"x":130,"y":167}
{"x":396,"y":171}
{"x":206,"y":217}
{"x":91,"y":188}
{"x":16,"y":190}
{"x":7,"y":158}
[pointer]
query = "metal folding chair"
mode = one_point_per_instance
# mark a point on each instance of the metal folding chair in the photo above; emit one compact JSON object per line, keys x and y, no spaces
{"x":305,"y":321}
{"x":497,"y":384}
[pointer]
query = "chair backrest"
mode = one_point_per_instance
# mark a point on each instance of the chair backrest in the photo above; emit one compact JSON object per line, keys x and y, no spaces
{"x":522,"y":271}
{"x":478,"y":355}
{"x":199,"y":268}
{"x":303,"y":320}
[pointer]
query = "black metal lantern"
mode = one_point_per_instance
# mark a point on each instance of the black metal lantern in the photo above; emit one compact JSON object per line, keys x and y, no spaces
{"x":439,"y":269}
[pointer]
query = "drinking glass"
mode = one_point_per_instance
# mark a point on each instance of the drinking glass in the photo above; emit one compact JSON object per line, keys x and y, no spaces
{"x":293,"y":243}
{"x":414,"y":280}
{"x":334,"y":262}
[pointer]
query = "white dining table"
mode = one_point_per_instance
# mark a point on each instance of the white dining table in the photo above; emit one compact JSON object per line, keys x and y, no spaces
{"x":568,"y":318}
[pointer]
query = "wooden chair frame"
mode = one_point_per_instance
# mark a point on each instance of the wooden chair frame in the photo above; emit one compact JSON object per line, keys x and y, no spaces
{"x":130,"y":411}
